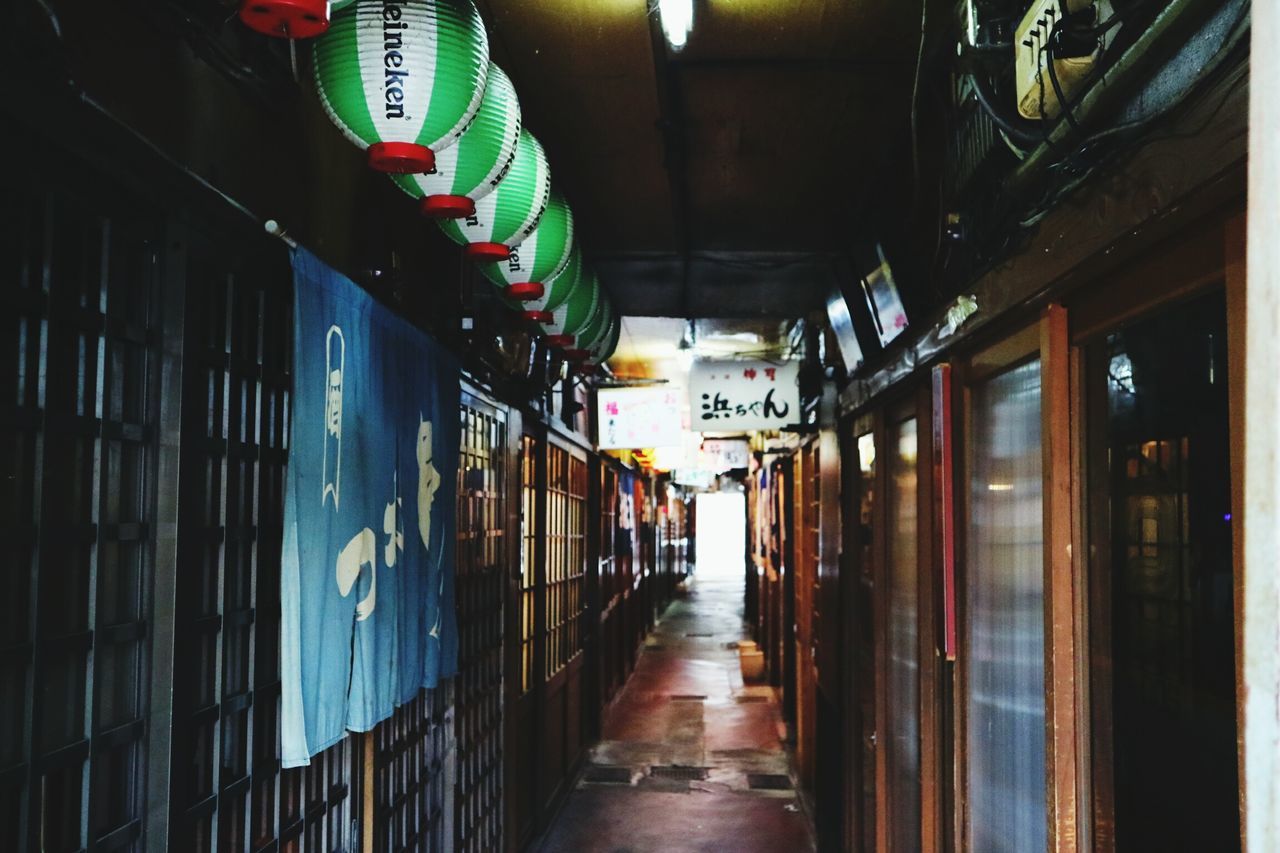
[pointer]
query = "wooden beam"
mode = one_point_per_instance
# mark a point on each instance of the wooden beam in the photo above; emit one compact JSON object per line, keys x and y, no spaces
{"x":1261,"y":527}
{"x":368,"y":805}
{"x":1061,"y":605}
{"x":1107,"y":223}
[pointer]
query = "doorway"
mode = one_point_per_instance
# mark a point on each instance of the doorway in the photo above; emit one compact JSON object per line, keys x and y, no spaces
{"x":721,"y":535}
{"x":1162,"y":580}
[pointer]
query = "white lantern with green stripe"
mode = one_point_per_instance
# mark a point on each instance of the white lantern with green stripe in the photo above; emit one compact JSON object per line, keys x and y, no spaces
{"x":506,"y":216}
{"x":575,"y":345}
{"x":402,"y":78}
{"x":471,"y":169}
{"x":600,"y":350}
{"x":555,"y":290}
{"x":572,"y":315}
{"x":543,"y":254}
{"x":604,"y":348}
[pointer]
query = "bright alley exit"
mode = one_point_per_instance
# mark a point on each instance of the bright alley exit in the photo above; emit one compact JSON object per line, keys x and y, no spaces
{"x":722,"y":531}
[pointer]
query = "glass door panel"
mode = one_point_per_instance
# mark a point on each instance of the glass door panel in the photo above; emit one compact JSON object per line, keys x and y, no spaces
{"x":1004,"y":626}
{"x":903,"y":723}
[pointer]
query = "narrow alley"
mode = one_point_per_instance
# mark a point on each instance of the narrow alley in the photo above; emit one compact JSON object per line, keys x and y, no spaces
{"x":640,"y":426}
{"x":692,"y":758}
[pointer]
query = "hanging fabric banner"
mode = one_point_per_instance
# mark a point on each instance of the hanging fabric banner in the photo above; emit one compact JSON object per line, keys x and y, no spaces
{"x":366,"y":574}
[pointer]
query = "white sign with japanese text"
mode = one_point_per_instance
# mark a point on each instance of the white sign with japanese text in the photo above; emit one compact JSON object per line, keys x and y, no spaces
{"x":639,"y":417}
{"x":743,"y":395}
{"x":725,"y":454}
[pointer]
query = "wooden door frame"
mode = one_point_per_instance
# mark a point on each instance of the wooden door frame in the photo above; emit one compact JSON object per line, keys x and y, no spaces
{"x":551,"y":800}
{"x":1047,"y":341}
{"x":866,"y":423}
{"x":511,"y":657}
{"x":1209,"y":255}
{"x":915,"y":403}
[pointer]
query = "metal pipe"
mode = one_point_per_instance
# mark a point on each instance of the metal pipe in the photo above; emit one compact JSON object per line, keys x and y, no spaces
{"x":1160,"y":40}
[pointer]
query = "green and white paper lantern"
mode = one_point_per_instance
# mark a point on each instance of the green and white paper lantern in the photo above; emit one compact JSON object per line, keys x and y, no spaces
{"x":555,"y":291}
{"x":603,"y":348}
{"x":471,"y":169}
{"x":572,"y":315}
{"x":543,"y":254}
{"x":577,"y":344}
{"x":402,"y":78}
{"x":506,"y":216}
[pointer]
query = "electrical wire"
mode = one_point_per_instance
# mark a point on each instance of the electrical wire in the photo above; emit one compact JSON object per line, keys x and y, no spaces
{"x":1081,"y":164}
{"x":1054,"y":41}
{"x":915,"y":99}
{"x":1023,"y":135}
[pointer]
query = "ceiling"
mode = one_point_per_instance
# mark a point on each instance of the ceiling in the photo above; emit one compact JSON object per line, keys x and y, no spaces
{"x":663,"y":348}
{"x":726,"y":182}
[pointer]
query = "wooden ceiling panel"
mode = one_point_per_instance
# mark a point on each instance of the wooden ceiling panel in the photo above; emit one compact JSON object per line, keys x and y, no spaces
{"x":584,"y":72}
{"x":778,"y":160}
{"x":783,"y":110}
{"x":870,"y":31}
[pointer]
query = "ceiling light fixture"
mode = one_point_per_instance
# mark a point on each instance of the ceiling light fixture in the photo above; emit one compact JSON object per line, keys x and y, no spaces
{"x":677,"y":21}
{"x":685,"y":349}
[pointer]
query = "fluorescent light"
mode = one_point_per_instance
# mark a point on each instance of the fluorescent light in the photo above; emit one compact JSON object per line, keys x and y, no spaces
{"x":677,"y":21}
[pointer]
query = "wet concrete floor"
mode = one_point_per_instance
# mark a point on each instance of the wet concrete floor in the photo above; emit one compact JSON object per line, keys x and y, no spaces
{"x":691,"y":760}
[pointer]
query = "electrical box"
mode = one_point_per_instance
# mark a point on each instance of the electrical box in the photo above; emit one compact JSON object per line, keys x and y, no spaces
{"x":1037,"y":98}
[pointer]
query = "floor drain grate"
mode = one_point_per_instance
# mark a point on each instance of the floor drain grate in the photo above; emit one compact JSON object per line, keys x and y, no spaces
{"x":687,"y":697}
{"x":768,"y":782}
{"x":749,"y":700}
{"x":699,"y":635}
{"x":609,"y":774}
{"x":677,"y":771}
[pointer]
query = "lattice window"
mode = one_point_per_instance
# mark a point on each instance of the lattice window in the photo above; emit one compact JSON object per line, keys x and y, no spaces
{"x":228,"y":790}
{"x":410,"y":778}
{"x":77,"y":478}
{"x":566,"y":557}
{"x":482,"y":572}
{"x":608,"y":532}
{"x":530,"y":449}
{"x":811,"y":529}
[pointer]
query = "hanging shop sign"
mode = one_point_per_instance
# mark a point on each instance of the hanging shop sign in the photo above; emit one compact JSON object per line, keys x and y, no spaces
{"x":473,"y":167}
{"x":883,"y":300}
{"x":628,"y":418}
{"x":841,"y":321}
{"x":694,"y":478}
{"x":402,"y":78}
{"x":542,"y":255}
{"x":743,"y":395}
{"x":367,"y":563}
{"x":508,"y":215}
{"x":726,"y":454}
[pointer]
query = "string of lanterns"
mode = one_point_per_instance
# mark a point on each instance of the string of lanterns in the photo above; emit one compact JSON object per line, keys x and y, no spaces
{"x":411,"y":82}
